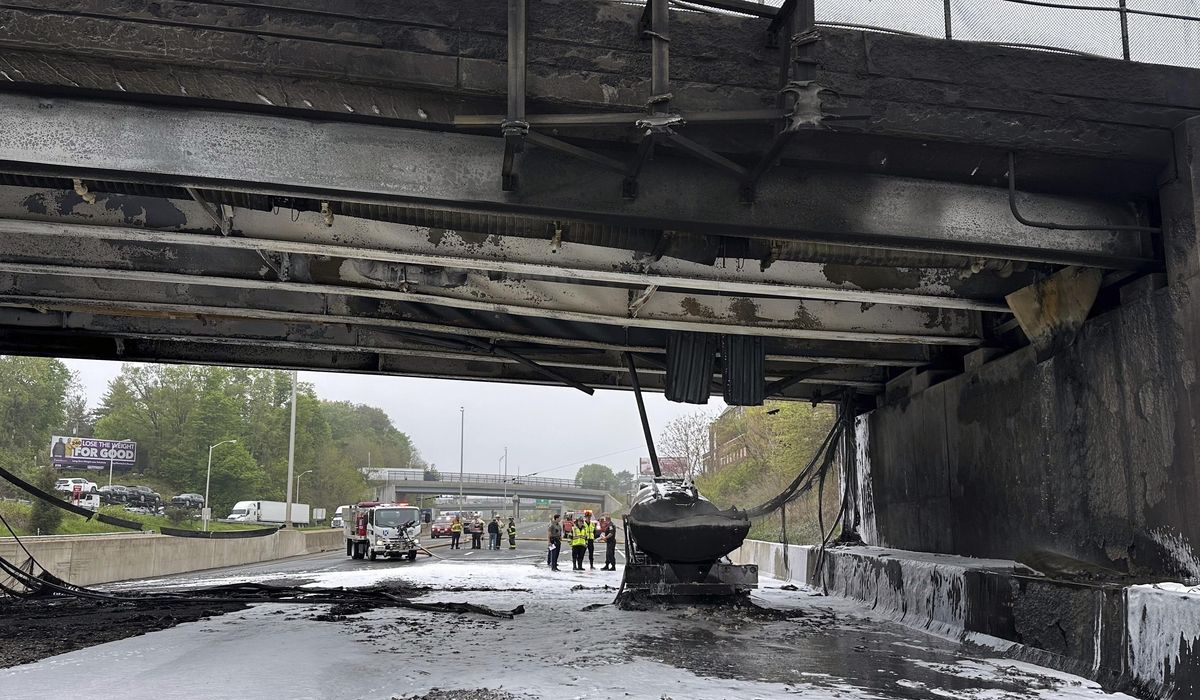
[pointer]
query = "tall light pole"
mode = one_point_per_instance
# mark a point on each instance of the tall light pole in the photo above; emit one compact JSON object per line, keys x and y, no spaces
{"x":462,"y":431}
{"x":298,"y":483}
{"x":287,"y":508}
{"x":505,"y":477}
{"x":206,"y":508}
{"x":110,"y":462}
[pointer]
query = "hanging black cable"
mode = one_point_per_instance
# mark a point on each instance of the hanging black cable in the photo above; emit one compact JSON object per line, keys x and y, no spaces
{"x":804,"y":480}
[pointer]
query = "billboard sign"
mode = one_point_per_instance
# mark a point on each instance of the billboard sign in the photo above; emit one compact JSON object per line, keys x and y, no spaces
{"x":671,"y":466}
{"x":70,"y":452}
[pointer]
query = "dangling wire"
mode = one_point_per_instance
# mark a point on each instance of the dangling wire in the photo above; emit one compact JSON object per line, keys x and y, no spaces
{"x":804,"y":481}
{"x":826,"y":536}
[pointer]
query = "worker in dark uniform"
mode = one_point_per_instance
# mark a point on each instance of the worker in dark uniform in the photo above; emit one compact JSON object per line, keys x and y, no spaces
{"x":512,"y":534}
{"x":608,"y":535}
{"x":554,"y":537}
{"x":589,"y":531}
{"x":493,"y":534}
{"x":579,"y":542}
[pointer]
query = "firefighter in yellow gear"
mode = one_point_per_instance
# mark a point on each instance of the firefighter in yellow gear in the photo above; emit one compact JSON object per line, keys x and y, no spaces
{"x":589,"y":529}
{"x":579,"y":542}
{"x":512,"y":534}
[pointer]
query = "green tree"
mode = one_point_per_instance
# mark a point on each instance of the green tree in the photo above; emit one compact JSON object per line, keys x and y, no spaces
{"x":235,"y":477}
{"x":597,"y":475}
{"x":33,"y":397}
{"x":44,"y":517}
{"x":625,"y":481}
{"x":175,"y":413}
{"x":778,"y":439}
{"x":79,"y":419}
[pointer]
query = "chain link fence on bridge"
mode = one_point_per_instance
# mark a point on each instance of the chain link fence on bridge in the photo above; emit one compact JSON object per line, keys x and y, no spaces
{"x":1149,"y":31}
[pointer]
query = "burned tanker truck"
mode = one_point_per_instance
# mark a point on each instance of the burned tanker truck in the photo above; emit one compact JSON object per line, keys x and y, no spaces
{"x":677,"y":543}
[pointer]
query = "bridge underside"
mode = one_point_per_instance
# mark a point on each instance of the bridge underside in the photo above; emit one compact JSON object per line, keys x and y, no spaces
{"x":237,"y":208}
{"x":306,"y":188}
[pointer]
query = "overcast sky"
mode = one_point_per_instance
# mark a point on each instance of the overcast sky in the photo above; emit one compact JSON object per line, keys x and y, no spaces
{"x":548,"y":430}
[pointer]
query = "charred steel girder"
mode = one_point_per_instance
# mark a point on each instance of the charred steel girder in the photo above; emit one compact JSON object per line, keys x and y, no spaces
{"x":799,"y":100}
{"x":233,"y":342}
{"x":366,"y":163}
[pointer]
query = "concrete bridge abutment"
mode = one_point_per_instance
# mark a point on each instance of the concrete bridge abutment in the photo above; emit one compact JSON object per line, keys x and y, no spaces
{"x":1089,"y":455}
{"x":1084,"y":465}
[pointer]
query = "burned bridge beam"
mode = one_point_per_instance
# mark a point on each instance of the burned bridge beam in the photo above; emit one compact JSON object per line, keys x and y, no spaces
{"x":369,"y":163}
{"x":131,"y":290}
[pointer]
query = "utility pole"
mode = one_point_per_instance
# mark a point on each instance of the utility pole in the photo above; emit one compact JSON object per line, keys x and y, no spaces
{"x":287,"y":509}
{"x":462,"y":428}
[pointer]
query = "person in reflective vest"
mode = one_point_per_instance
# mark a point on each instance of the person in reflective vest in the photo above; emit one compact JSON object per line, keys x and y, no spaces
{"x":589,"y":530}
{"x":591,"y":527}
{"x":512,"y":534}
{"x":455,"y":532}
{"x":579,"y":542}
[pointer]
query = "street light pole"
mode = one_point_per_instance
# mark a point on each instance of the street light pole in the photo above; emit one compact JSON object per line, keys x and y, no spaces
{"x":462,"y":428}
{"x":298,"y":483}
{"x":505,"y":478}
{"x":287,"y":508}
{"x":110,"y":463}
{"x":207,"y":509}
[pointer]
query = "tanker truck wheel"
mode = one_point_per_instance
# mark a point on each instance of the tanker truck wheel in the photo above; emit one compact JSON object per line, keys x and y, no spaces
{"x":357,"y":553}
{"x":371,"y":554}
{"x":412,"y":555}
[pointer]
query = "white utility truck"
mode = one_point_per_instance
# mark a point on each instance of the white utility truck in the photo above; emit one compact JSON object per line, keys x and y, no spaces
{"x":376,"y":529}
{"x":267,"y":512}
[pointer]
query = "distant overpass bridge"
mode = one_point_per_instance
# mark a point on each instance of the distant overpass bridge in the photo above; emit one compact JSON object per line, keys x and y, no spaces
{"x":393,"y":483}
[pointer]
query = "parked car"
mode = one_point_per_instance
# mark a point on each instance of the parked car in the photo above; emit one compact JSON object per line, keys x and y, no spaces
{"x":144,"y":496}
{"x":188,"y":500}
{"x":68,"y":485}
{"x":440,"y":528}
{"x":114,"y":494}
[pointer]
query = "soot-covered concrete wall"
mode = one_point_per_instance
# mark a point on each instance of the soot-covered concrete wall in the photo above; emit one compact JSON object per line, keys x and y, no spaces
{"x":1089,"y":454}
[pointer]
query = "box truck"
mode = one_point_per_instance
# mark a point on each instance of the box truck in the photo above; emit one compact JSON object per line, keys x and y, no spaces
{"x":271,"y":512}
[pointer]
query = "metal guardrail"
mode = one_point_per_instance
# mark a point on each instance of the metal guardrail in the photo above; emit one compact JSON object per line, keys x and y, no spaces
{"x":1148,"y":31}
{"x":399,"y":475}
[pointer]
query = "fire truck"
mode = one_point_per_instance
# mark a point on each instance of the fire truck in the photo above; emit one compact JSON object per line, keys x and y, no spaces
{"x":375,"y":529}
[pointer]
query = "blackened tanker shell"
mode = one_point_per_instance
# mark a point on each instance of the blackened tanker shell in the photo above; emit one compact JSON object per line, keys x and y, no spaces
{"x":675,"y":524}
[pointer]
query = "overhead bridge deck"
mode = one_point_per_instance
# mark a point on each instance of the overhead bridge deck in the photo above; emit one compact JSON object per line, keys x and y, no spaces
{"x":738,"y":239}
{"x":396,"y":483}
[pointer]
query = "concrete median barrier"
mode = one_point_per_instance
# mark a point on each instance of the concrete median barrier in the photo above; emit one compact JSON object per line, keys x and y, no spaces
{"x":91,"y":559}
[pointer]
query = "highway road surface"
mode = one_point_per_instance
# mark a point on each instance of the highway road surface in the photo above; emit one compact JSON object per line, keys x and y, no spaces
{"x":568,"y":644}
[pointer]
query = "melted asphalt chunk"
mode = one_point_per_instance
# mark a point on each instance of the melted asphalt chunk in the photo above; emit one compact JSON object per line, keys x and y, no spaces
{"x":461,"y":694}
{"x":37,"y":628}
